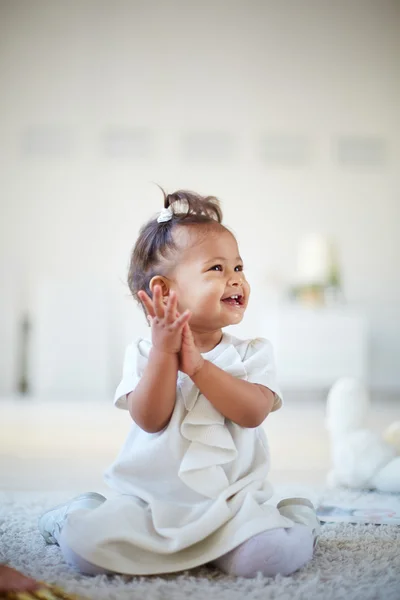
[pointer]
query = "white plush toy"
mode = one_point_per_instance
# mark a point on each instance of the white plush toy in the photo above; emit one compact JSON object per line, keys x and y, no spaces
{"x":361,"y":458}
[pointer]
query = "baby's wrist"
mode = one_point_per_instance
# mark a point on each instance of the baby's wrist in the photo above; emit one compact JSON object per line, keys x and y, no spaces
{"x":162,"y":354}
{"x":198,"y":368}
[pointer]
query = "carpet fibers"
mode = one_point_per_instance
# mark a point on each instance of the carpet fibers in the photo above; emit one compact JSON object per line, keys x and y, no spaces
{"x":352,"y":562}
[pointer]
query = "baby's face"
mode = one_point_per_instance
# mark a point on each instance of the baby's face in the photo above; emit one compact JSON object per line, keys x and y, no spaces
{"x":209,"y":279}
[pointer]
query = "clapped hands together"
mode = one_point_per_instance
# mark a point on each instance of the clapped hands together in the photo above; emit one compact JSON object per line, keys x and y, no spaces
{"x":170,"y":331}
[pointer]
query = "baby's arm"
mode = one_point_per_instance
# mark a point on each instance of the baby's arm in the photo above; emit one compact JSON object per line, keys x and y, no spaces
{"x":244,"y":403}
{"x":152,"y":402}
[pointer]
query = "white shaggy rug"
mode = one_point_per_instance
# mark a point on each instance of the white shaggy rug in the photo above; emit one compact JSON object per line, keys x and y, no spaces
{"x":352,"y":562}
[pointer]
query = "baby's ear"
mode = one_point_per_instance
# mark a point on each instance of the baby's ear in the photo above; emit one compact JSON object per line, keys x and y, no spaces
{"x":163,"y":283}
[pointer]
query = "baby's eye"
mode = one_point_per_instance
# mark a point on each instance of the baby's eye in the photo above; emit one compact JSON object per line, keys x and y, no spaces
{"x":239,"y":268}
{"x":216,"y":268}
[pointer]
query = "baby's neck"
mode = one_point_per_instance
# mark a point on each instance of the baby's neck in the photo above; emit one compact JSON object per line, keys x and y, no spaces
{"x":207,"y":340}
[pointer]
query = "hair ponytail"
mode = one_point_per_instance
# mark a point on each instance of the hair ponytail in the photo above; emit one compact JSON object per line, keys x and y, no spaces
{"x":155,"y":242}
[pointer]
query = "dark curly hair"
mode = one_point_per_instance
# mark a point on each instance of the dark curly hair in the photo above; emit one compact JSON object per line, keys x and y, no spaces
{"x":155,"y":243}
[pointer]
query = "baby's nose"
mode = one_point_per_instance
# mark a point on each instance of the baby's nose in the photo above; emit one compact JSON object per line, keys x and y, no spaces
{"x":236,"y":279}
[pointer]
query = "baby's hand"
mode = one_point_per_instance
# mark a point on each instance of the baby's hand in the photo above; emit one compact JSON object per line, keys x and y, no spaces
{"x":190,"y":359}
{"x":166,"y":323}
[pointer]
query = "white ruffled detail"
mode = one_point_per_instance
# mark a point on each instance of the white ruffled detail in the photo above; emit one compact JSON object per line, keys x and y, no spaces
{"x":211,"y":445}
{"x":165,"y":215}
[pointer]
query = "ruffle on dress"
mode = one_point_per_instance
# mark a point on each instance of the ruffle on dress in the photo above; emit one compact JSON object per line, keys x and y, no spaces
{"x":211,"y":444}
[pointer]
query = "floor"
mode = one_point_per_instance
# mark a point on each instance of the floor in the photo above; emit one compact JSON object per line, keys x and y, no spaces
{"x":66,"y":445}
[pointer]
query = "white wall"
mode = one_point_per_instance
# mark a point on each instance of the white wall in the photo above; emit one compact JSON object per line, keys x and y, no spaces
{"x":74,"y":72}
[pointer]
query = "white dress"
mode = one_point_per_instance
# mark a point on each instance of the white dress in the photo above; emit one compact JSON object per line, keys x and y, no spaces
{"x":191,"y":492}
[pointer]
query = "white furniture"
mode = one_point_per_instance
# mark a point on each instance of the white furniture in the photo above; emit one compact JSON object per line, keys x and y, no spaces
{"x":314,"y":347}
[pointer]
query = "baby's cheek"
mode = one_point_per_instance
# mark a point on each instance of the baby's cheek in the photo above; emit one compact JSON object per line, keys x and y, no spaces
{"x":189,"y":300}
{"x":182,"y":302}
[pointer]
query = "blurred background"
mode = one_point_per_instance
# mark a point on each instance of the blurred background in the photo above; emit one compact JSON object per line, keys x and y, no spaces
{"x":288,"y":112}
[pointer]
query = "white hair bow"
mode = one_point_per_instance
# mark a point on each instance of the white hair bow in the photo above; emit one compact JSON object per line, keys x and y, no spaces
{"x":165,"y":215}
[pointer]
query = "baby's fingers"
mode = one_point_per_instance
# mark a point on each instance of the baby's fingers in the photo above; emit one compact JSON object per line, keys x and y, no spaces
{"x":182,"y":320}
{"x":158,"y":303}
{"x":187,"y":332}
{"x":148,"y":303}
{"x":170,"y":311}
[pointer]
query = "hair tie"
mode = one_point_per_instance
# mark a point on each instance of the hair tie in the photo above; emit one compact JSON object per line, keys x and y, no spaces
{"x":165,"y":215}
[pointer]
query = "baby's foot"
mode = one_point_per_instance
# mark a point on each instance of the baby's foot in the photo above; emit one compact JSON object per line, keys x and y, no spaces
{"x":301,"y":511}
{"x":52,"y":521}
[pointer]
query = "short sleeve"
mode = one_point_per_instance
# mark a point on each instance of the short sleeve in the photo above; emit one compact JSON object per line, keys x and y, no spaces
{"x":130,"y":377}
{"x":259,"y":363}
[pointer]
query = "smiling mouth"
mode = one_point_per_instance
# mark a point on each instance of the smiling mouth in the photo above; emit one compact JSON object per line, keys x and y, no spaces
{"x":234,"y":300}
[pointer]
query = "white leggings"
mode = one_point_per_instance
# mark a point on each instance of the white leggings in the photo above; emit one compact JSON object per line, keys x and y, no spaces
{"x":275,"y":551}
